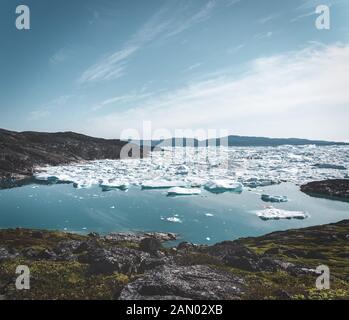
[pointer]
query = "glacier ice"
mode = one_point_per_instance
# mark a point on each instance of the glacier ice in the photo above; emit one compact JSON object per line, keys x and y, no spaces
{"x":270,"y":198}
{"x":276,"y":214}
{"x":196,"y":167}
{"x":114,"y":184}
{"x":162,"y":184}
{"x":174,"y":220}
{"x":223,"y":185}
{"x":180,"y":191}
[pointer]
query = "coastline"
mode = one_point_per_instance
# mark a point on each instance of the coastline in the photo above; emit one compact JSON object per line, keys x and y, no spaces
{"x":280,"y":265}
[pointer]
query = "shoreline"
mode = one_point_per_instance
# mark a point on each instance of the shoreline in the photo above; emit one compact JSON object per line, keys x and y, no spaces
{"x":279,"y":265}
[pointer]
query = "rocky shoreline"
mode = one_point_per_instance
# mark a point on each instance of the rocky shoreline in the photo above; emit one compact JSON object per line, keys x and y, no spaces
{"x":21,"y":152}
{"x":280,"y":265}
{"x":335,"y":189}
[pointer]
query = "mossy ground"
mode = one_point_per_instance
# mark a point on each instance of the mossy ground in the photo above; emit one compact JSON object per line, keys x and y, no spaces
{"x":309,"y":247}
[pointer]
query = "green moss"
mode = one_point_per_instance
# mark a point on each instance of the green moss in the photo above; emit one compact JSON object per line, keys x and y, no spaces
{"x":62,"y":280}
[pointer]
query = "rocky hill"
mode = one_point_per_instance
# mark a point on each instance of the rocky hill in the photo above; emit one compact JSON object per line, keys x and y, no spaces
{"x":20,"y":152}
{"x":280,"y":265}
{"x":336,"y":189}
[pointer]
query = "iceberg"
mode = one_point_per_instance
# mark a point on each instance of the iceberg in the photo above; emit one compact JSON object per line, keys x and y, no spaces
{"x":220,"y":186}
{"x":257,"y":182}
{"x":114,"y":184}
{"x":162,"y":184}
{"x":269,"y":198}
{"x":329,"y":166}
{"x":174,"y":220}
{"x":276,"y":214}
{"x":180,"y":191}
{"x":183,"y":170}
{"x":194,"y":167}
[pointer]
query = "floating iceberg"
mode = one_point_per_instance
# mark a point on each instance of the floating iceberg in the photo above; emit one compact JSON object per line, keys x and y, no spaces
{"x":259,"y":182}
{"x":114,"y":184}
{"x":329,"y":166}
{"x":269,"y":198}
{"x":276,"y":214}
{"x":162,"y":184}
{"x":220,"y":186}
{"x":82,"y":184}
{"x":174,"y":220}
{"x":46,"y":177}
{"x":180,"y":191}
{"x":194,"y":167}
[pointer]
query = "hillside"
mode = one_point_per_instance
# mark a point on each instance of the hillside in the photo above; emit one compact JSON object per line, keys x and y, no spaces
{"x":20,"y":152}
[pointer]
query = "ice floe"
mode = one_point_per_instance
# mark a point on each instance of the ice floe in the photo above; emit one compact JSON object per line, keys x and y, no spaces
{"x":219,"y":186}
{"x":270,"y":198}
{"x":329,"y":166}
{"x":180,"y":191}
{"x":174,"y":220}
{"x":276,"y":214}
{"x":195,"y":167}
{"x":163,"y":184}
{"x":114,"y":184}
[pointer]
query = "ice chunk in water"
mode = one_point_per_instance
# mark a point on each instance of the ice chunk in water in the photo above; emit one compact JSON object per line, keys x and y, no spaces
{"x":163,"y":184}
{"x":269,"y":198}
{"x":114,"y":184}
{"x":174,"y":219}
{"x":180,"y":191}
{"x":329,"y":166}
{"x":276,"y":214}
{"x":219,"y":186}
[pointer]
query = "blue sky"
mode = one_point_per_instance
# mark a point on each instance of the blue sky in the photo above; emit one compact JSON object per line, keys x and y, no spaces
{"x":101,"y":67}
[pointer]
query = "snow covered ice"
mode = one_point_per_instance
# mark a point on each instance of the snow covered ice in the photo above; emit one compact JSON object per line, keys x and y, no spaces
{"x":179,"y":191}
{"x":276,"y":214}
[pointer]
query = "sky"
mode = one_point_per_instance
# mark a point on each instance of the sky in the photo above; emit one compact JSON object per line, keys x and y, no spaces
{"x":110,"y":68}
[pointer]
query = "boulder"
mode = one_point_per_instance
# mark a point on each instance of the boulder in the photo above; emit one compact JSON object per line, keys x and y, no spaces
{"x":184,"y":282}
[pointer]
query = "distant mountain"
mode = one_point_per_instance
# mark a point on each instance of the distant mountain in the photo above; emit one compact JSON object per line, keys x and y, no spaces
{"x":237,"y":141}
{"x":20,"y":152}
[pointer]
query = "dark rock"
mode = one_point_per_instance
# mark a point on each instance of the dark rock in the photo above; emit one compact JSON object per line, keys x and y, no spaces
{"x":122,"y":260}
{"x":185,"y":246}
{"x":333,"y":189}
{"x":139,"y":236}
{"x":93,"y":235}
{"x":282,"y":294}
{"x":184,"y":282}
{"x":22,"y":151}
{"x":82,"y":247}
{"x":272,"y":251}
{"x":6,"y":254}
{"x":46,"y":255}
{"x":150,"y":245}
{"x":38,"y":235}
{"x":239,"y":256}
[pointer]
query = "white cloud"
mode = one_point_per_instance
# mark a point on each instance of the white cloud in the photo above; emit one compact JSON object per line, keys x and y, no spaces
{"x":167,"y":22}
{"x":301,"y":94}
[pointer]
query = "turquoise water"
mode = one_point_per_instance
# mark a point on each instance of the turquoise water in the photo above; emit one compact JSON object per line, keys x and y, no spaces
{"x":62,"y":207}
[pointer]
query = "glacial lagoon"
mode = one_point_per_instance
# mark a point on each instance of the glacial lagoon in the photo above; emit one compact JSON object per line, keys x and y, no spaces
{"x":133,"y":200}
